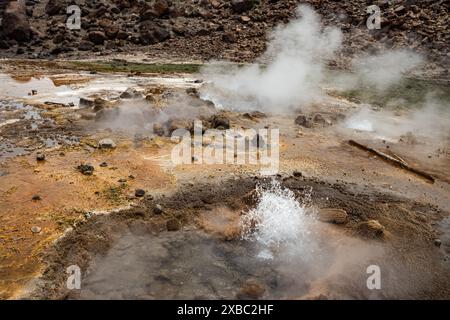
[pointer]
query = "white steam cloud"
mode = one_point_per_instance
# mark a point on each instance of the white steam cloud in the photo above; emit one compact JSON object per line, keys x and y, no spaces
{"x":379,"y":72}
{"x":297,"y":53}
{"x":386,"y":69}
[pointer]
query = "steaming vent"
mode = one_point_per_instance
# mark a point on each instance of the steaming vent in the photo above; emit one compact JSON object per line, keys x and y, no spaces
{"x":278,"y":222}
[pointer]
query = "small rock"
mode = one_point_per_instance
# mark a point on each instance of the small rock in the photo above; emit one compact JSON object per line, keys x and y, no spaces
{"x":40,"y":157}
{"x":297,"y":174}
{"x":371,"y":229}
{"x":103,"y":164}
{"x":240,"y":6}
{"x":193,"y":92}
{"x":106,"y":144}
{"x":331,"y":215}
{"x":319,"y":119}
{"x":220,"y":122}
{"x":97,"y":37}
{"x":173,"y":225}
{"x":36,"y":229}
{"x":36,"y":198}
{"x":86,"y":169}
{"x":303,"y":121}
{"x":251,"y":289}
{"x":130,"y":93}
{"x":139,"y":193}
{"x":437,"y":242}
{"x":84,"y":102}
{"x":158,"y":209}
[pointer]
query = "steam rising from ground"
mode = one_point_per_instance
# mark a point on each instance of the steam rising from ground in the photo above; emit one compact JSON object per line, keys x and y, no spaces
{"x":429,"y":122}
{"x":378,"y":72}
{"x":137,"y":116}
{"x":297,"y":53}
{"x":386,"y":69}
{"x":277,"y":221}
{"x":304,"y":250}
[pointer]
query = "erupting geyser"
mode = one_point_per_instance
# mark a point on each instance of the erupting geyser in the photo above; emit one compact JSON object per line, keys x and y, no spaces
{"x":278,"y":222}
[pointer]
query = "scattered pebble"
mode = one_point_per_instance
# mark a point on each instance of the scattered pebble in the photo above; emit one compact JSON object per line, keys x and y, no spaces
{"x":103,"y":164}
{"x":40,"y":157}
{"x":86,"y":169}
{"x":107,"y":144}
{"x":36,"y":198}
{"x":437,"y":242}
{"x":36,"y":229}
{"x":139,"y":193}
{"x":297,"y":174}
{"x":371,"y":228}
{"x":158,"y":209}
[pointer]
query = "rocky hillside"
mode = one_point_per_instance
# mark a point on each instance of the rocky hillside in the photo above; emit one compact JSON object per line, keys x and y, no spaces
{"x":206,"y":29}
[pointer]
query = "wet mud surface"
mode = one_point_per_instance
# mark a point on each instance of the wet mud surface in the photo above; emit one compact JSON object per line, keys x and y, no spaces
{"x":132,"y":255}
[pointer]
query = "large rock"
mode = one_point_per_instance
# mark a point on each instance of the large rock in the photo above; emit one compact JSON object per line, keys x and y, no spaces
{"x":240,"y":6}
{"x":97,"y":37}
{"x":55,"y":7}
{"x":157,"y":10}
{"x":161,"y":7}
{"x":15,"y":23}
{"x":151,"y":33}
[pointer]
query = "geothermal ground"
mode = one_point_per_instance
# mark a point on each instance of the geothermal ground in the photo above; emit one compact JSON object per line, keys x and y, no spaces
{"x":87,"y":180}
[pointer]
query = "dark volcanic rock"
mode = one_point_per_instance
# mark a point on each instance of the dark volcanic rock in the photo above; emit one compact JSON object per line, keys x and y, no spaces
{"x":15,"y":23}
{"x":303,"y":121}
{"x":55,"y":7}
{"x":240,"y":6}
{"x":161,"y":7}
{"x":220,"y":122}
{"x":86,"y":169}
{"x":151,"y":33}
{"x":139,"y":193}
{"x":86,"y":46}
{"x":199,"y":29}
{"x":97,"y":37}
